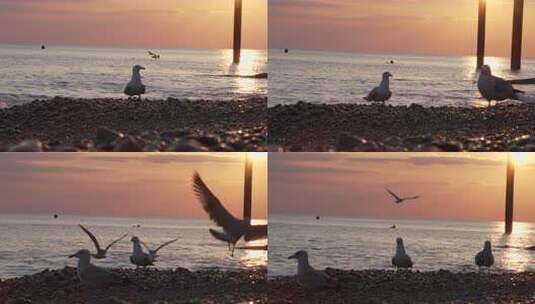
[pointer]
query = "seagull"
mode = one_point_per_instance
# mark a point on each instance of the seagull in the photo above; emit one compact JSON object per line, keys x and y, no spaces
{"x":401,"y":259}
{"x":154,"y":55}
{"x":399,"y":200}
{"x":498,"y":89}
{"x":485,"y":257}
{"x":307,"y":276}
{"x":142,"y":258}
{"x":101,"y":253}
{"x":233,"y":229}
{"x":90,"y":274}
{"x":381,"y":93}
{"x":135,"y":87}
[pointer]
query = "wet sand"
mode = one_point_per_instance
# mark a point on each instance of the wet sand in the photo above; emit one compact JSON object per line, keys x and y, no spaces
{"x":384,"y":287}
{"x":144,"y":286}
{"x":65,"y":124}
{"x":377,"y":127}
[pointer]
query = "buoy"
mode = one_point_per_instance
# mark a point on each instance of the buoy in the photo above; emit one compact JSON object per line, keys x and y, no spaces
{"x":317,"y":218}
{"x":55,"y":216}
{"x":286,"y":51}
{"x":43,"y":47}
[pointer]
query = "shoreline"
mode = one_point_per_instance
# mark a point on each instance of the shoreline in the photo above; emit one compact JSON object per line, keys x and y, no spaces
{"x":143,"y":286}
{"x":382,"y":286}
{"x":121,"y":125}
{"x":377,"y":127}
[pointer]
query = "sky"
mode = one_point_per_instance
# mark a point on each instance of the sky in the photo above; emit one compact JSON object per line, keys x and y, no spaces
{"x":468,"y":186}
{"x":132,"y":23}
{"x":127,"y":185}
{"x":436,"y":27}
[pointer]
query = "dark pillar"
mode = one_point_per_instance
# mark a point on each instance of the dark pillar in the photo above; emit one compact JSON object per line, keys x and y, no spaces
{"x":509,"y":195}
{"x":248,"y":188}
{"x":237,"y":30}
{"x":516,"y":49}
{"x":481,"y":33}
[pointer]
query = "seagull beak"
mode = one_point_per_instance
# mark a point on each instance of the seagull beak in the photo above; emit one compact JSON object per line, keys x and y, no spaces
{"x":142,"y":68}
{"x":72,"y":256}
{"x":292,"y":257}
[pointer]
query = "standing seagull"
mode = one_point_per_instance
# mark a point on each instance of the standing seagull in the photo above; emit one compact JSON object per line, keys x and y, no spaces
{"x":381,"y":93}
{"x":90,"y":274}
{"x":485,"y":257}
{"x":307,"y":276}
{"x":496,"y":88}
{"x":399,"y":200}
{"x":233,"y":229}
{"x":101,"y":253}
{"x":142,"y":258}
{"x":401,"y":259}
{"x":135,"y":87}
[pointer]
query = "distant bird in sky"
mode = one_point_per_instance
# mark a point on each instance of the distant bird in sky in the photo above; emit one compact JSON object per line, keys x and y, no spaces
{"x":90,"y":274}
{"x":135,"y":87}
{"x":101,"y":253}
{"x":141,"y":258}
{"x":485,"y":257}
{"x":401,"y":259}
{"x":154,"y":55}
{"x":381,"y":93}
{"x":233,"y":228}
{"x":399,"y":200}
{"x":498,"y":89}
{"x":307,"y":276}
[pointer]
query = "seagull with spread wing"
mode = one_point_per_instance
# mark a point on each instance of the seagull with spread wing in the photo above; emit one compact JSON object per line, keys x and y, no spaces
{"x":233,"y":228}
{"x":154,"y":252}
{"x":399,"y":200}
{"x":101,"y":253}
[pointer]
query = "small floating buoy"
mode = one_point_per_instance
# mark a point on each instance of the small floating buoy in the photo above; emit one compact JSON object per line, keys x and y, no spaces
{"x":56,"y":216}
{"x":43,"y":47}
{"x":393,"y":227}
{"x":317,"y":218}
{"x":286,"y":51}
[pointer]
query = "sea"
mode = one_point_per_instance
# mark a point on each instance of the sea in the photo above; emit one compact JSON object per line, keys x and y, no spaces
{"x":27,"y":73}
{"x":32,"y":243}
{"x":322,"y":77}
{"x":370,"y":244}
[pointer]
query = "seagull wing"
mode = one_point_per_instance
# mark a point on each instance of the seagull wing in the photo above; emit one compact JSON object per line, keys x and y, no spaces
{"x":212,"y":205}
{"x":372,"y":96}
{"x":145,"y":245}
{"x":503,"y":89}
{"x":393,"y":194}
{"x":114,"y":242}
{"x":93,"y":238}
{"x":411,"y":198}
{"x":163,"y":245}
{"x":256,"y":232}
{"x":151,"y":53}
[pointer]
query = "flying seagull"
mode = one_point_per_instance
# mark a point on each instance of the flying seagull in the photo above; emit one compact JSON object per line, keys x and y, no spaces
{"x":381,"y":93}
{"x":142,"y":258}
{"x":135,"y":87}
{"x":498,"y":89}
{"x":307,"y":276}
{"x":233,"y":228}
{"x":401,"y":259}
{"x":485,"y":257}
{"x":154,"y":55}
{"x":399,"y":200}
{"x":101,"y":253}
{"x":90,"y":274}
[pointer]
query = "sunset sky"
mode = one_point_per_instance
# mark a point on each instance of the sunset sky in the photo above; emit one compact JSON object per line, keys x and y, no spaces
{"x":132,"y":23}
{"x":436,"y":27}
{"x":453,"y":186}
{"x":140,"y":185}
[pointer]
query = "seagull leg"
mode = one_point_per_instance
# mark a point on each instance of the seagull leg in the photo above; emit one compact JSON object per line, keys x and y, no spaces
{"x":233,"y":247}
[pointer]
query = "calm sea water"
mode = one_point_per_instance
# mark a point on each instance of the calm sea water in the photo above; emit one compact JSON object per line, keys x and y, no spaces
{"x":328,"y":77}
{"x":27,"y":73}
{"x":370,"y":244}
{"x":31,"y":243}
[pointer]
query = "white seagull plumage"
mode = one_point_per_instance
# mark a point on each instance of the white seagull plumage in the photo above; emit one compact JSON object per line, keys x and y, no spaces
{"x":498,"y":89}
{"x":154,"y":252}
{"x":485,"y":256}
{"x":399,"y":200}
{"x":307,"y":276}
{"x":381,"y":93}
{"x":101,"y":253}
{"x":141,"y":258}
{"x":401,"y":259}
{"x":135,"y":87}
{"x":90,"y":274}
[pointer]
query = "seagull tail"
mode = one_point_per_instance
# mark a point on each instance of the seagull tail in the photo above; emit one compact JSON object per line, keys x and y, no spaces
{"x":525,"y":98}
{"x":219,"y":235}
